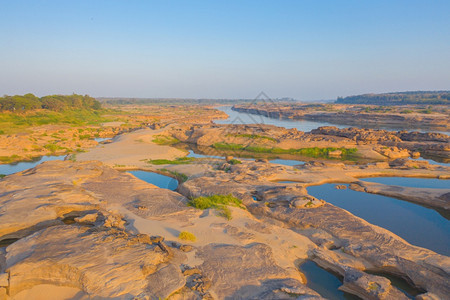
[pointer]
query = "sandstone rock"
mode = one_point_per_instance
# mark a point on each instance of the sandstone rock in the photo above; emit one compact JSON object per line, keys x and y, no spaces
{"x":245,"y":272}
{"x":368,"y":286}
{"x":87,"y":219}
{"x":335,"y":153}
{"x":427,"y":296}
{"x":415,"y":154}
{"x":3,"y":294}
{"x":85,"y":258}
{"x":165,"y":281}
{"x":340,"y":187}
{"x":4,"y":279}
{"x":228,"y":158}
{"x":186,"y":248}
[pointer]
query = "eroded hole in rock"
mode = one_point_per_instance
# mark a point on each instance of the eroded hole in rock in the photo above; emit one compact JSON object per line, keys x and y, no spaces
{"x":7,"y":242}
{"x":324,"y":282}
{"x":401,"y":283}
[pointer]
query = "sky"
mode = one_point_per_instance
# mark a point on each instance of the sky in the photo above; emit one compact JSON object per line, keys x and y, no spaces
{"x":308,"y":50}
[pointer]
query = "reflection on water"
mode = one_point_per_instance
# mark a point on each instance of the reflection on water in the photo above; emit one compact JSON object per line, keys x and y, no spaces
{"x":416,"y":224}
{"x":22,"y":166}
{"x":164,"y":182}
{"x":433,"y":183}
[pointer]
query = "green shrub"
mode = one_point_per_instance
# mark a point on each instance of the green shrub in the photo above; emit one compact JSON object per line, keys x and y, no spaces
{"x":187,"y":236}
{"x":2,"y":176}
{"x":9,"y":159}
{"x":217,"y":202}
{"x":253,"y":136}
{"x":164,"y":140}
{"x":53,"y":147}
{"x":234,"y":161}
{"x":179,"y":176}
{"x":177,"y":161}
{"x":312,"y":152}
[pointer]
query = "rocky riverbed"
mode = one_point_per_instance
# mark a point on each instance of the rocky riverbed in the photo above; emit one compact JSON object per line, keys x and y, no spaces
{"x":83,"y":229}
{"x":79,"y":224}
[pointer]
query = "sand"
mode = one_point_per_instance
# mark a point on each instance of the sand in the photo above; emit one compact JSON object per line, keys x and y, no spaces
{"x":131,"y":150}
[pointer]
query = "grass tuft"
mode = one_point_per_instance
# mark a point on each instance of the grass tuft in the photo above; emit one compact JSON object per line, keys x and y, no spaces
{"x":179,"y":176}
{"x":187,"y":236}
{"x":164,"y":140}
{"x":311,"y":152}
{"x":218,"y":202}
{"x":177,"y":161}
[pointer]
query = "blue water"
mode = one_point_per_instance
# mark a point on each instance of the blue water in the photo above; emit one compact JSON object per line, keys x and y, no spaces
{"x":159,"y":180}
{"x":196,"y":155}
{"x":287,"y":162}
{"x":305,"y":125}
{"x":416,"y":224}
{"x":22,"y":166}
{"x":246,"y":118}
{"x":432,"y":162}
{"x":98,"y":140}
{"x":323,"y":282}
{"x":412,"y":182}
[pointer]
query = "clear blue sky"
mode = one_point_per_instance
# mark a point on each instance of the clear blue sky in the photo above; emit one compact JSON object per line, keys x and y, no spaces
{"x":223,"y":49}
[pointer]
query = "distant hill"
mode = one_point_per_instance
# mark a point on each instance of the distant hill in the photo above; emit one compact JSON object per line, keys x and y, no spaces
{"x":399,"y":98}
{"x":29,"y":102}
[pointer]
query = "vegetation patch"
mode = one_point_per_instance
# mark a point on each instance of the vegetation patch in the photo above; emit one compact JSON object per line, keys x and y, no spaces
{"x":9,"y":159}
{"x":218,"y":202}
{"x":164,"y":140}
{"x":2,"y":176}
{"x":312,"y":152}
{"x":234,"y":161}
{"x":54,"y":147}
{"x":253,"y":136}
{"x":187,"y":236}
{"x":179,"y":176}
{"x":177,"y":161}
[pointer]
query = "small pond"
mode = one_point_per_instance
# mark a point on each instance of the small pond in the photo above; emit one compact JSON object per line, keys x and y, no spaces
{"x":22,"y":166}
{"x":416,"y":224}
{"x":99,"y":140}
{"x":197,"y":155}
{"x":287,"y":162}
{"x":323,"y":282}
{"x":411,"y":182}
{"x":159,"y":180}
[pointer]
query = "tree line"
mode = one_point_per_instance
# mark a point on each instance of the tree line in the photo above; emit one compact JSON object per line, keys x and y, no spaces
{"x":27,"y":102}
{"x":399,"y":98}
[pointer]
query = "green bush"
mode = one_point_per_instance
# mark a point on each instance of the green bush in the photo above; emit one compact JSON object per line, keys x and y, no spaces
{"x":217,"y":202}
{"x":187,"y":236}
{"x":312,"y":152}
{"x":179,"y":176}
{"x":177,"y":161}
{"x":234,"y":161}
{"x":9,"y":159}
{"x":164,"y":140}
{"x":253,"y":136}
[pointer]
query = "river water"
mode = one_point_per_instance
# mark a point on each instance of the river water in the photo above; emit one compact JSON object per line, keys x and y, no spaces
{"x":306,"y":125}
{"x":419,"y":225}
